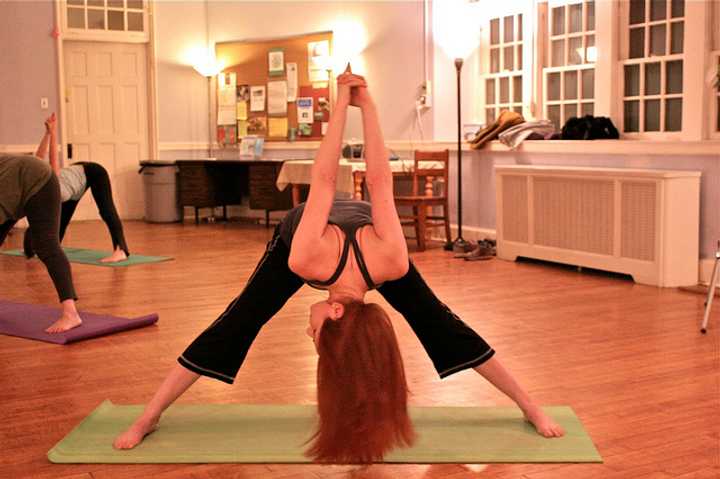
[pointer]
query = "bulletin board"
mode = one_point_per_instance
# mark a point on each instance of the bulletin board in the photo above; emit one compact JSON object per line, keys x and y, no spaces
{"x":249,"y":64}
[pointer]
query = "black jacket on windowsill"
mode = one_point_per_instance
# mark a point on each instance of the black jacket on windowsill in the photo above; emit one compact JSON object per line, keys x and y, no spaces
{"x":589,"y":127}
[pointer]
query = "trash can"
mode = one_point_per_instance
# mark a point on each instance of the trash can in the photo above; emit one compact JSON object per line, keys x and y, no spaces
{"x":161,"y":191}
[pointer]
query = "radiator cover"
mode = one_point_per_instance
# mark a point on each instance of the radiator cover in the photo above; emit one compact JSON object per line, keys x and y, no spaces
{"x":644,"y":223}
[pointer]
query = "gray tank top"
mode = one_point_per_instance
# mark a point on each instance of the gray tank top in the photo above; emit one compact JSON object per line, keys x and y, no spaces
{"x":20,"y":178}
{"x":349,"y":216}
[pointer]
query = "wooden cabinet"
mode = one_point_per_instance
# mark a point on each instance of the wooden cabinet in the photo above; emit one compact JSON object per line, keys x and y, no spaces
{"x":211,"y":183}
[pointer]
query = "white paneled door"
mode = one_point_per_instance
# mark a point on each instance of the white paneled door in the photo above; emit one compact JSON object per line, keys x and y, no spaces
{"x":106,"y":112}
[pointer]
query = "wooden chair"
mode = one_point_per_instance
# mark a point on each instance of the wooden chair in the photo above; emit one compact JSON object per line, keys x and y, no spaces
{"x":423,"y":196}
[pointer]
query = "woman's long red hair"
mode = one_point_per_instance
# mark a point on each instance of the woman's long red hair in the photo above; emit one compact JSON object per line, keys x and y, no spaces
{"x":362,"y":391}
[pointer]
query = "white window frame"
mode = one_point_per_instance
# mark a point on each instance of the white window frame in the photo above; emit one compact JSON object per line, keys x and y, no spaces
{"x":547,"y":69}
{"x":86,"y":34}
{"x":624,"y":32}
{"x":501,"y":10}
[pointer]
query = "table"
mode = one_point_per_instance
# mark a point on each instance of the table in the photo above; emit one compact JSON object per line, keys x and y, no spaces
{"x":350,"y":177}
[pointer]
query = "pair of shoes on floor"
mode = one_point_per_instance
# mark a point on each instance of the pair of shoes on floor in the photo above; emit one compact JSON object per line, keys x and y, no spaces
{"x":484,"y":250}
{"x":507,"y":119}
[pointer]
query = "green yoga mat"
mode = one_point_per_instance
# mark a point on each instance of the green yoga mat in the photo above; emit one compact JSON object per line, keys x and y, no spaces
{"x":89,"y":256}
{"x":238,"y":433}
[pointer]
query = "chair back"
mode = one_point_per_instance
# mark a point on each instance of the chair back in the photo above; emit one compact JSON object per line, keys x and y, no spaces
{"x":429,"y":167}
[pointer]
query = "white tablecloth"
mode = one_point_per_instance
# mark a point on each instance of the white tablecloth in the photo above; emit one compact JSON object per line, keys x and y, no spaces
{"x":299,"y":172}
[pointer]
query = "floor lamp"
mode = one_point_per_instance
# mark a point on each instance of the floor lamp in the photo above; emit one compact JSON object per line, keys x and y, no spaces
{"x":459,"y":245}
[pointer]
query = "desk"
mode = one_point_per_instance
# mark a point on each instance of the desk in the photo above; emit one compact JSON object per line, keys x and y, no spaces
{"x":210,"y":183}
{"x":350,"y":178}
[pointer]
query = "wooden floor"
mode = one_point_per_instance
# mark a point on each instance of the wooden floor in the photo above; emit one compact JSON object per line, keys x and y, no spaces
{"x":628,"y":358}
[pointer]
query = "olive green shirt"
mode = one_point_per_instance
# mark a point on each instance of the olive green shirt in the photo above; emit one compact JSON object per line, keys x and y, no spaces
{"x":21,"y":176}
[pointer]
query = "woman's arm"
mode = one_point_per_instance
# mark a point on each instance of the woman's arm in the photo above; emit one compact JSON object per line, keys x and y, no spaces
{"x":308,"y":238}
{"x":379,"y":181}
{"x":49,"y":140}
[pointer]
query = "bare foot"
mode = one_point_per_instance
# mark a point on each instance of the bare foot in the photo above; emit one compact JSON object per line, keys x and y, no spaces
{"x":67,"y":321}
{"x":118,"y":255}
{"x":544,"y":424}
{"x":135,"y":434}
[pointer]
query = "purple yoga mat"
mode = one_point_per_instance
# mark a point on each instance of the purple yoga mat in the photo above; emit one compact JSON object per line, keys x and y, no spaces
{"x":30,"y":321}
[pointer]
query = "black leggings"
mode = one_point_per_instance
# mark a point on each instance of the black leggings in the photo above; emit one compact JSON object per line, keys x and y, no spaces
{"x":221,"y":349}
{"x":98,"y":182}
{"x":43,"y":214}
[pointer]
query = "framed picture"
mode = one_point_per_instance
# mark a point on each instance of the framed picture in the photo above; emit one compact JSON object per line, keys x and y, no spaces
{"x":276,"y":62}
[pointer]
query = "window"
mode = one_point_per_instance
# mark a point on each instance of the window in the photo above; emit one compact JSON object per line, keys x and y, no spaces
{"x":106,"y":15}
{"x":504,"y":79}
{"x":569,"y":80}
{"x":653,"y":69}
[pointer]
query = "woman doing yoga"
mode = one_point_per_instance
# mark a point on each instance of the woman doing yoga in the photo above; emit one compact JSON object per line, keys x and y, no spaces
{"x":29,"y":188}
{"x":362,"y":392}
{"x":75,"y":180}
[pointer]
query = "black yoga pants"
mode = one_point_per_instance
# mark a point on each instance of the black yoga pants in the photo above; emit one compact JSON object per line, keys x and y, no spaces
{"x":43,"y":214}
{"x":98,"y":182}
{"x":221,"y":349}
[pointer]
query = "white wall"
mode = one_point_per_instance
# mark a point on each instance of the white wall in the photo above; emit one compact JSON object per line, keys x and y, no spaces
{"x":392,"y":59}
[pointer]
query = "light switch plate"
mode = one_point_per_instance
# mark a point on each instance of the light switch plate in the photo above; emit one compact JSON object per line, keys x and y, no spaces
{"x":44,"y":103}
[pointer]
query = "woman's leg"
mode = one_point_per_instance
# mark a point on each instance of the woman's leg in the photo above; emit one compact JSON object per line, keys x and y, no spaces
{"x":220,"y":350}
{"x":67,"y":209}
{"x":453,"y":346}
{"x":99,"y":184}
{"x":43,"y":214}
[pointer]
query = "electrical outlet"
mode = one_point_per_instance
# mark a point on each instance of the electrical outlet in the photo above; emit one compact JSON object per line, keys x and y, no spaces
{"x":428,"y":94}
{"x":44,"y":103}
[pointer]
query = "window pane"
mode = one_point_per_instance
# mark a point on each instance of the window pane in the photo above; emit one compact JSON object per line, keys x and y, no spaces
{"x":96,"y":19}
{"x":673,"y":114}
{"x":519,"y":57}
{"x":575,"y":17}
{"x":553,"y":112}
{"x":558,"y":20}
{"x":508,"y":29}
{"x":135,"y":22}
{"x":588,"y":83}
{"x":558,"y":53}
{"x":657,"y":40}
{"x":494,"y":31}
{"x":571,"y":85}
{"x":116,"y":20}
{"x":569,"y":111}
{"x":637,"y":42}
{"x":504,"y":90}
{"x":652,"y":78}
{"x":658,"y":9}
{"x":674,"y":77}
{"x":519,"y":32}
{"x":575,"y":51}
{"x":96,"y":3}
{"x":517,"y":89}
{"x":494,"y":60}
{"x":489,"y":115}
{"x":632,"y":80}
{"x":632,"y":115}
{"x":490,"y":92}
{"x":637,"y":13}
{"x":76,"y":17}
{"x":508,"y":63}
{"x":76,"y":2}
{"x":553,"y":86}
{"x":517,"y":109}
{"x":676,"y":37}
{"x":587,"y":109}
{"x":652,"y":115}
{"x":115,"y":4}
{"x":590,"y":6}
{"x":590,"y":51}
{"x":678,"y":8}
{"x":135,"y":4}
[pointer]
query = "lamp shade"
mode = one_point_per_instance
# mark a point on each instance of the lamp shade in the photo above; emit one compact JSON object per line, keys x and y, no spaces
{"x":457,"y":27}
